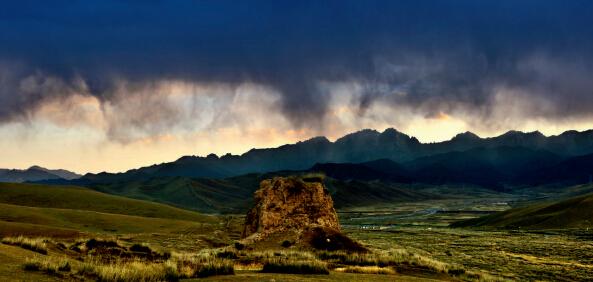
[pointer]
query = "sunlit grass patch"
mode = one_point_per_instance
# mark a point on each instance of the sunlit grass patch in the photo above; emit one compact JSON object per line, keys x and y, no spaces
{"x":366,"y":270}
{"x":131,"y":271}
{"x":34,"y":244}
{"x":203,"y":264}
{"x":396,"y":258}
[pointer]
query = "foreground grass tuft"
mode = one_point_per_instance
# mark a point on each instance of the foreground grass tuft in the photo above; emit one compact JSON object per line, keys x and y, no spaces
{"x":34,"y":244}
{"x":396,"y":258}
{"x":215,"y":267}
{"x":48,"y":265}
{"x":131,"y":271}
{"x":295,"y":266}
{"x":203,"y":265}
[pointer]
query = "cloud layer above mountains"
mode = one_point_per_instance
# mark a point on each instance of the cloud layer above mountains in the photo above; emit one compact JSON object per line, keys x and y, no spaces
{"x":136,"y":69}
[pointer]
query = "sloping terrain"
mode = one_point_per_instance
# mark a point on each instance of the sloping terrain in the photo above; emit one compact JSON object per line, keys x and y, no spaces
{"x":67,"y":211}
{"x":347,"y":194}
{"x":574,"y":170}
{"x":78,"y":198}
{"x":575,"y":212}
{"x":205,"y":195}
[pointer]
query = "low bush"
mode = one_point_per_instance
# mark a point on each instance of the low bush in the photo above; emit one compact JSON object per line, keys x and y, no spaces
{"x":140,"y":248}
{"x":97,"y":243}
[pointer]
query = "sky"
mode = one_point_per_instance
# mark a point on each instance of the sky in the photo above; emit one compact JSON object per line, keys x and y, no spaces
{"x":110,"y":85}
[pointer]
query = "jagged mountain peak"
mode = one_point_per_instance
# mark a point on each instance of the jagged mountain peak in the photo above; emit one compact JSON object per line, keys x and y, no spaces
{"x":316,"y":140}
{"x":466,"y":136}
{"x":361,"y":134}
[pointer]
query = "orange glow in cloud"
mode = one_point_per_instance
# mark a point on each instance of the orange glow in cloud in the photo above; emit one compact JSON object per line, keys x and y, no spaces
{"x":73,"y":133}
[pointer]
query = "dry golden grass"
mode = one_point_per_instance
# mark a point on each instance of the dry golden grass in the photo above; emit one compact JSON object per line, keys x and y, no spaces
{"x":394,"y":257}
{"x":203,"y":264}
{"x":34,"y":244}
{"x":131,"y":271}
{"x":366,"y":270}
{"x":48,"y":265}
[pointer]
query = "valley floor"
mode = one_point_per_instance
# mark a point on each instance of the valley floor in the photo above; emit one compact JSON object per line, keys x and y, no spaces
{"x":513,"y":255}
{"x":418,"y":228}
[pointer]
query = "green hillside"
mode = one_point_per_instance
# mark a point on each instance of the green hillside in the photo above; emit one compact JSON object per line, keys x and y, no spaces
{"x":77,"y":198}
{"x":575,"y":212}
{"x":235,"y":194}
{"x":204,"y":195}
{"x":66,"y":211}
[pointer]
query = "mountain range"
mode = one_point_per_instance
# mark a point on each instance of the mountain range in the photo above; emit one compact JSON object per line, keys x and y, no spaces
{"x":35,"y":173}
{"x":370,"y":145}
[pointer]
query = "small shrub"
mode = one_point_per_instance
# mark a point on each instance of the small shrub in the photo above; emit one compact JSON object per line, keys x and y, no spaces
{"x":456,"y":271}
{"x":227,"y":255}
{"x":287,"y":244}
{"x":295,"y":267}
{"x":95,"y":243}
{"x":32,"y":266}
{"x":34,"y":244}
{"x":239,"y":246}
{"x":140,"y":248}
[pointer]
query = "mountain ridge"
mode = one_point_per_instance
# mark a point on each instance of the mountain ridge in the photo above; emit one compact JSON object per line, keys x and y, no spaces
{"x":361,"y":146}
{"x":35,"y":173}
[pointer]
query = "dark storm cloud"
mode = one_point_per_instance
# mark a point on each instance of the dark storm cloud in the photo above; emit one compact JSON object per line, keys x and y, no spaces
{"x":443,"y":55}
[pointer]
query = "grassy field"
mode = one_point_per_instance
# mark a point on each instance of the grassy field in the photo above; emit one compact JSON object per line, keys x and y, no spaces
{"x":409,"y":241}
{"x":545,"y":256}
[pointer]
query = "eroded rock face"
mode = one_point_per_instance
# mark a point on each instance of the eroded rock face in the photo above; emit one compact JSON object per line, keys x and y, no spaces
{"x":290,"y":204}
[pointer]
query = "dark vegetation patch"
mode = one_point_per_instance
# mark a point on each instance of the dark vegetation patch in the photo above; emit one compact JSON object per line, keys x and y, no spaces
{"x":322,"y":238}
{"x":110,"y":250}
{"x":295,"y":267}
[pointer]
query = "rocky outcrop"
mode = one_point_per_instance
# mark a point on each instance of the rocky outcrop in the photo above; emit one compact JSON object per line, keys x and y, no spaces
{"x":290,"y":204}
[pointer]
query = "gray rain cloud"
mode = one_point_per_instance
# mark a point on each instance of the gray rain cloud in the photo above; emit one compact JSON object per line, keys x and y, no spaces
{"x":432,"y":56}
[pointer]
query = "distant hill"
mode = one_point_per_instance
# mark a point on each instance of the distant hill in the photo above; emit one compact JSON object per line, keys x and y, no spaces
{"x":79,"y":198}
{"x":492,"y":167}
{"x":362,"y":146}
{"x":572,"y":213}
{"x":35,"y":173}
{"x":62,"y":173}
{"x":41,"y":210}
{"x":574,"y":170}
